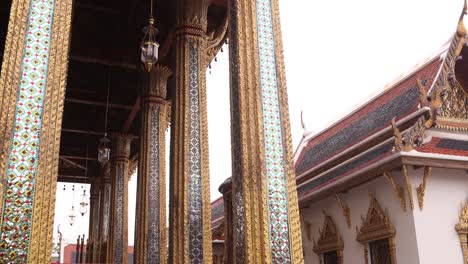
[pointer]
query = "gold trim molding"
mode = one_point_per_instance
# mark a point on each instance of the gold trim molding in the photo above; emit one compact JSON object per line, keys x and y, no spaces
{"x":397,"y":189}
{"x":404,"y":170}
{"x":422,"y":187}
{"x":329,"y":239}
{"x":462,"y":229}
{"x":344,"y":209}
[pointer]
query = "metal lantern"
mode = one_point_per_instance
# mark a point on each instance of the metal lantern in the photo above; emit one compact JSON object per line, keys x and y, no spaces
{"x":149,"y":46}
{"x":72,"y":216}
{"x":83,"y":204}
{"x":104,"y":150}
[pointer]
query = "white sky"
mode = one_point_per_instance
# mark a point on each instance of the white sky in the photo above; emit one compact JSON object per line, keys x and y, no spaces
{"x":338,"y":55}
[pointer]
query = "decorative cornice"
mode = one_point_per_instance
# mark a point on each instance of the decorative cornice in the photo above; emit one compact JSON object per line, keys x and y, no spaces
{"x":397,"y":189}
{"x":344,"y":209}
{"x":408,"y":185}
{"x":422,"y":187}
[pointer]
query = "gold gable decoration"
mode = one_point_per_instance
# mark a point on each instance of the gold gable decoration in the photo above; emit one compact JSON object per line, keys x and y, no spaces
{"x":376,"y":226}
{"x":329,"y":239}
{"x":454,"y":104}
{"x":462,"y":230}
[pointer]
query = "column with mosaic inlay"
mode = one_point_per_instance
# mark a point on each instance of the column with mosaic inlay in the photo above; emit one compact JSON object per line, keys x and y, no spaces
{"x":266,"y":216}
{"x":94,"y":214}
{"x":151,"y":231}
{"x":104,"y":213}
{"x":190,"y":236}
{"x":32,"y":89}
{"x":117,"y":245}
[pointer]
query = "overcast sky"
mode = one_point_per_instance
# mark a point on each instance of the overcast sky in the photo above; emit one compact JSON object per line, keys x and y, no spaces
{"x":338,"y":55}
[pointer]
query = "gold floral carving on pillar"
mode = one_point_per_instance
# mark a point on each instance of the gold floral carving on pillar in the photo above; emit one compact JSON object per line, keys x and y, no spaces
{"x":376,"y":226}
{"x":329,"y":239}
{"x":150,"y":232}
{"x":266,"y":219}
{"x":420,"y":191}
{"x":397,"y":189}
{"x":190,"y":209}
{"x":462,"y":229}
{"x":345,"y":209}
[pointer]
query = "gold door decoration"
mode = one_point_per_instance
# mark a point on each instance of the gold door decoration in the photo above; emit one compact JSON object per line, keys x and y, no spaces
{"x":462,"y":230}
{"x":376,"y":226}
{"x":329,"y":240}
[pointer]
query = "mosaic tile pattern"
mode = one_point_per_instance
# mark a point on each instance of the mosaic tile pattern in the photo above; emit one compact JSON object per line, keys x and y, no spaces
{"x":275,"y":169}
{"x":237,"y":176}
{"x":195,"y":223}
{"x":106,"y":214}
{"x":119,"y":215}
{"x":22,"y":160}
{"x":153,"y":190}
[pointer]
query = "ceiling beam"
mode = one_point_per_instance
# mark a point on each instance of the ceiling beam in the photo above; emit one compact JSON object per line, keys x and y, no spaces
{"x":96,"y":103}
{"x":77,"y":157}
{"x":74,"y":164}
{"x":94,"y":60}
{"x":129,"y":121}
{"x":86,"y":132}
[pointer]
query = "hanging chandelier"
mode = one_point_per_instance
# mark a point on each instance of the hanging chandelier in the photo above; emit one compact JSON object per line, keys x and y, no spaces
{"x":149,"y":46}
{"x":83,"y":204}
{"x":72,"y":216}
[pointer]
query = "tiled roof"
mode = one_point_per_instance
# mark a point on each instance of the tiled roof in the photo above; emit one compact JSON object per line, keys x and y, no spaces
{"x":445,"y":146}
{"x":342,"y":171}
{"x":399,"y":101}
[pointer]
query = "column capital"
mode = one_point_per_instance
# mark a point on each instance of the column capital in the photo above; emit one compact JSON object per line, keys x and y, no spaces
{"x":156,"y":90}
{"x":120,"y":146}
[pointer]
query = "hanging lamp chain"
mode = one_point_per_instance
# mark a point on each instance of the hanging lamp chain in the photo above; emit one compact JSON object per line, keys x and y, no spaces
{"x":107,"y":101}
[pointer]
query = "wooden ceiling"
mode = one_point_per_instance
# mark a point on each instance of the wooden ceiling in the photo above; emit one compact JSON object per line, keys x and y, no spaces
{"x":105,"y":55}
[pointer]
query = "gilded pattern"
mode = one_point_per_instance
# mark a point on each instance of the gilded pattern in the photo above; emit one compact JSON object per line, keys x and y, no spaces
{"x":195,"y":222}
{"x":153,"y":207}
{"x":329,"y":239}
{"x":462,"y":229}
{"x":119,"y":215}
{"x":277,"y":197}
{"x":22,"y":162}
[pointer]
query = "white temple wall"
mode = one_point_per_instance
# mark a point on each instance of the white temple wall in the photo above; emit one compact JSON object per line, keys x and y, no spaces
{"x":437,"y":239}
{"x":358,"y":201}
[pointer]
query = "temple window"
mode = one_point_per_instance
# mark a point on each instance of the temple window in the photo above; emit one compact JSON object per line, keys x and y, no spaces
{"x":329,"y":246}
{"x":377,"y":235}
{"x":380,"y":252}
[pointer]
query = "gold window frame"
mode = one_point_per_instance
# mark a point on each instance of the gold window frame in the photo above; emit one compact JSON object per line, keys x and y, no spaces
{"x":329,"y":240}
{"x":462,"y":229}
{"x":376,"y":226}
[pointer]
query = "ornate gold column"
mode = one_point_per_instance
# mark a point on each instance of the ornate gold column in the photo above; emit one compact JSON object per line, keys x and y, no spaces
{"x":190,"y":237}
{"x":104,"y":213}
{"x":117,"y":245}
{"x":94,"y":215}
{"x":266,"y":217}
{"x":150,"y":232}
{"x":32,"y":89}
{"x":226,"y":190}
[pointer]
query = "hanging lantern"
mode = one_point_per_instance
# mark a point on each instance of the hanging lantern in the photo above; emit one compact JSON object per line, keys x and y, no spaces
{"x":104,"y":150}
{"x":72,"y":216}
{"x":149,"y":46}
{"x":83,"y":204}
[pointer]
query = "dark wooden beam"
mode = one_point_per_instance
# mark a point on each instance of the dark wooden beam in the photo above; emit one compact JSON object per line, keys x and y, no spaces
{"x":77,"y":157}
{"x":96,"y":103}
{"x":118,"y":64}
{"x":129,"y":121}
{"x":78,"y":131}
